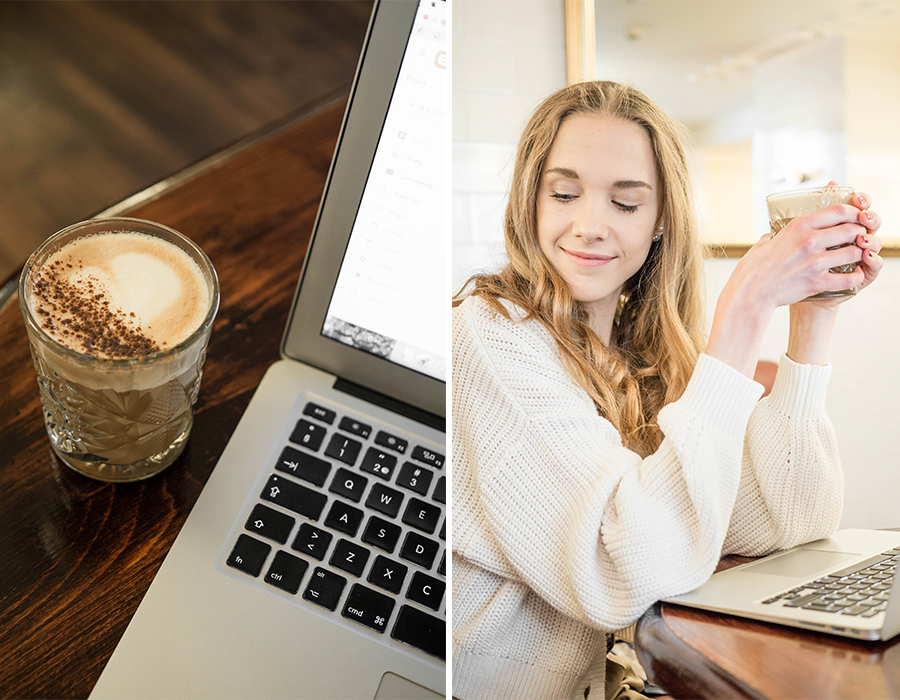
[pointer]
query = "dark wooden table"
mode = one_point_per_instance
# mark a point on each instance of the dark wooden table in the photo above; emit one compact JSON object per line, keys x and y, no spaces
{"x":697,"y":654}
{"x":77,"y":555}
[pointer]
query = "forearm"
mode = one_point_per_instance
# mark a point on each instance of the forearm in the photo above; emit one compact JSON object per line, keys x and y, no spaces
{"x":737,"y":329}
{"x":811,"y":327}
{"x":742,"y":313}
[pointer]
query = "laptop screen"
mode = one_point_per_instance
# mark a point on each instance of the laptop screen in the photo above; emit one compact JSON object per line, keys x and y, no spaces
{"x":392,"y":277}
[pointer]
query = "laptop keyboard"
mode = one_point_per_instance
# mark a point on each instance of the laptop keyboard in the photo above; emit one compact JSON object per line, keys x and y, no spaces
{"x":351,"y":521}
{"x":861,"y":590}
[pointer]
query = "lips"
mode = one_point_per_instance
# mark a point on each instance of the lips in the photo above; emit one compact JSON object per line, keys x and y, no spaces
{"x":587,"y":259}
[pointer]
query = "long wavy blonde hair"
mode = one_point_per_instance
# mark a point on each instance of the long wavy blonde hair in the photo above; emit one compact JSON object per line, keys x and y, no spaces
{"x":657,"y":335}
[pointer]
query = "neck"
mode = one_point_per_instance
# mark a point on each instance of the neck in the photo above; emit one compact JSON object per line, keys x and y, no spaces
{"x":601,"y":321}
{"x":602,"y":314}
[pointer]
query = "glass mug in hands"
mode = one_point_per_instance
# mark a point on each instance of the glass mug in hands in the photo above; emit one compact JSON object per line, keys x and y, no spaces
{"x":785,"y":206}
{"x":118,"y":314}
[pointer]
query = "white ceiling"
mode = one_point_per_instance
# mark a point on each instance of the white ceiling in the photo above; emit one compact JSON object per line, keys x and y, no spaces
{"x":695,"y":57}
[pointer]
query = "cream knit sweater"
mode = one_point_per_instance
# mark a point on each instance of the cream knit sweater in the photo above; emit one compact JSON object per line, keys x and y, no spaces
{"x":560,"y":534}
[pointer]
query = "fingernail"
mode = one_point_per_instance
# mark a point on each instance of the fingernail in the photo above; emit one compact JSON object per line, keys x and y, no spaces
{"x":862,"y":200}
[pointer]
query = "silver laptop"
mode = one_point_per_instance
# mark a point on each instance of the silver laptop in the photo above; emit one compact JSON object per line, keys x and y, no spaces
{"x":845,"y":585}
{"x":313,"y":564}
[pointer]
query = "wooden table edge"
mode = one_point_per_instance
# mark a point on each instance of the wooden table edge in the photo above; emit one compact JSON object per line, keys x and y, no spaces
{"x":679,"y":668}
{"x":9,"y":287}
{"x":192,"y":171}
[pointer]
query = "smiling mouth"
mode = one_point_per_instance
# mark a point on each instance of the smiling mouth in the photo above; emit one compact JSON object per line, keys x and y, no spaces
{"x":587,"y":259}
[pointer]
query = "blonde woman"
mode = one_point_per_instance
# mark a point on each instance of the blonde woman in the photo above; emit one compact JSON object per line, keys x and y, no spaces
{"x":605,"y":453}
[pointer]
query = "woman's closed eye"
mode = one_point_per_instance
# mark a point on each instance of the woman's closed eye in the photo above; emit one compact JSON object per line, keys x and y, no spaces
{"x":564,"y":198}
{"x":628,"y":208}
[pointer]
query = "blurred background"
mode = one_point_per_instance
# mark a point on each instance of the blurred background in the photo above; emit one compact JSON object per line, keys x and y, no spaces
{"x":99,"y":100}
{"x":777,"y":94}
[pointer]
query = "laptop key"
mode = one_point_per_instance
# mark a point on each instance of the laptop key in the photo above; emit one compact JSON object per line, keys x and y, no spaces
{"x":303,"y":466}
{"x":326,"y":415}
{"x":421,"y":630}
{"x":368,"y":607}
{"x":342,"y":448}
{"x":378,"y":463}
{"x":325,"y":588}
{"x":803,"y":600}
{"x":269,"y":523}
{"x":421,"y":515}
{"x":419,"y":550}
{"x":392,"y":442}
{"x":248,"y":555}
{"x":308,"y":434}
{"x":385,"y":500}
{"x":294,"y":497}
{"x":387,"y":574}
{"x":312,"y":541}
{"x":344,"y":518}
{"x":855,"y":610}
{"x":440,"y":491}
{"x":356,"y":427}
{"x":286,"y":572}
{"x":348,"y":484}
{"x":350,"y":557}
{"x":414,"y":478}
{"x":426,"y":590}
{"x":382,"y":534}
{"x":432,"y":459}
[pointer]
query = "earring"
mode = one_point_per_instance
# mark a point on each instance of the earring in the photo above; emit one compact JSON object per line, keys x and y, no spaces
{"x":658,"y":234}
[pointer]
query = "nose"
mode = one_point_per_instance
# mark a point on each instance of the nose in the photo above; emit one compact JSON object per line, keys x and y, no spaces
{"x":591,"y":224}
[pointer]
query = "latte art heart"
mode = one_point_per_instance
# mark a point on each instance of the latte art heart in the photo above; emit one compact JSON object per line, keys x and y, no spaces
{"x":119,"y":294}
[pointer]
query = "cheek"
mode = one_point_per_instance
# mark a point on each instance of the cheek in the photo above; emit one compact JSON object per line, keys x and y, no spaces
{"x":544,"y":231}
{"x":639,"y":248}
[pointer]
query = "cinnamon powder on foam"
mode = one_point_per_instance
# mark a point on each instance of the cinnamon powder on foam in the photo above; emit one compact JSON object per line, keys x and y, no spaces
{"x":75,"y":306}
{"x":78,"y":314}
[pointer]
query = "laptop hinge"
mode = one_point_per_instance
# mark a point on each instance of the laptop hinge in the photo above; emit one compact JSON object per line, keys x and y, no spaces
{"x":399,"y":407}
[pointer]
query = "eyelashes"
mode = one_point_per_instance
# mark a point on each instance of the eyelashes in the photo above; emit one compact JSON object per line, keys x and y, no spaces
{"x":566,"y":198}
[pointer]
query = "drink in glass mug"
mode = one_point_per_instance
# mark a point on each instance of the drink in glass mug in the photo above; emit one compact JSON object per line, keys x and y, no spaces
{"x":785,"y":206}
{"x":118,"y":314}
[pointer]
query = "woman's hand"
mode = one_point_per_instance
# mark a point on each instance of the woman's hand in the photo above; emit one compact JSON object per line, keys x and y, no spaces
{"x":869,"y":245}
{"x":786,"y":269}
{"x":812,"y":322}
{"x":795,"y":264}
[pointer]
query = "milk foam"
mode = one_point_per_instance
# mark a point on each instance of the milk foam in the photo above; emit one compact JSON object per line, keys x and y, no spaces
{"x":137,"y":290}
{"x":794,"y":204}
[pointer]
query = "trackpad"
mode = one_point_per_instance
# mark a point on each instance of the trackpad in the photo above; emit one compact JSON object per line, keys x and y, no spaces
{"x":801,"y":563}
{"x":394,"y":687}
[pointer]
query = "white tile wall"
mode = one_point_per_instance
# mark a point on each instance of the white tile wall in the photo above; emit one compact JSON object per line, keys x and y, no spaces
{"x":508,"y":56}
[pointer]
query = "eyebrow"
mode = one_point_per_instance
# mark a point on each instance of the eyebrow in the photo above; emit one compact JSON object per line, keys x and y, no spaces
{"x":618,"y":184}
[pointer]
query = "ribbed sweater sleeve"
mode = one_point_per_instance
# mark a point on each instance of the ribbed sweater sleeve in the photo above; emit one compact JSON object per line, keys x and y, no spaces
{"x":792,"y":485}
